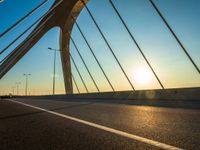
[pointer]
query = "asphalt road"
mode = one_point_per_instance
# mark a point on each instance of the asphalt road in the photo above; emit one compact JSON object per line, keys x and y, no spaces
{"x":25,"y":127}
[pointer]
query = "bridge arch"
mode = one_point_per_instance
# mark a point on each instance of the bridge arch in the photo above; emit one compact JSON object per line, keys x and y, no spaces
{"x":66,"y":29}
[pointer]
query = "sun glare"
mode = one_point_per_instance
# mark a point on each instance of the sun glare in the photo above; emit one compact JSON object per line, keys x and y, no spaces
{"x":143,"y":75}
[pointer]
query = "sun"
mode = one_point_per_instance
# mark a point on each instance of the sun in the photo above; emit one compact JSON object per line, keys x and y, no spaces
{"x":143,"y":75}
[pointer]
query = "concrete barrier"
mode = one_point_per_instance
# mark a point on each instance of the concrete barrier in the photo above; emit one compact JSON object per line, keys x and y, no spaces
{"x":168,"y":94}
{"x":181,"y":98}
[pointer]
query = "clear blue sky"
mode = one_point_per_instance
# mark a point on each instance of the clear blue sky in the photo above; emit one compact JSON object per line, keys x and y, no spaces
{"x":169,"y":61}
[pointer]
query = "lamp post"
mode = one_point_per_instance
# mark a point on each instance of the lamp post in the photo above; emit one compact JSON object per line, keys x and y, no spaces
{"x":26,"y":88}
{"x":13,"y":90}
{"x":54,"y":67}
{"x":17,"y":85}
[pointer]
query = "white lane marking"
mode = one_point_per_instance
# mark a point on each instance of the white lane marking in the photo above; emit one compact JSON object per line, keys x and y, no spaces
{"x":108,"y":129}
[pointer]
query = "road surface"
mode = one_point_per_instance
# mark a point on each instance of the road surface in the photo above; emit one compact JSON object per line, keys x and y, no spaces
{"x":54,"y":125}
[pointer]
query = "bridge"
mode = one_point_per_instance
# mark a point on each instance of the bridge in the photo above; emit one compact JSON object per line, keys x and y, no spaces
{"x":129,"y":83}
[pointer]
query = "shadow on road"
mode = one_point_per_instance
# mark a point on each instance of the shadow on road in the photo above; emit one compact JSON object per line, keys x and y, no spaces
{"x":39,"y":112}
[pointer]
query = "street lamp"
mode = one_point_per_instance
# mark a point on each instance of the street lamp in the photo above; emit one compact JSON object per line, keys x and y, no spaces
{"x":54,"y":67}
{"x":17,"y":83}
{"x":13,"y":90}
{"x":26,"y":88}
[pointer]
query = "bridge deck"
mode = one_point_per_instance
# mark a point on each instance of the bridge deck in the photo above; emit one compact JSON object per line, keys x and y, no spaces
{"x":24,"y":127}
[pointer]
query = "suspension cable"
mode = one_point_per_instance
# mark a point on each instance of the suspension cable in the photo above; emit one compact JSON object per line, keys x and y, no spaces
{"x":4,"y":59}
{"x":175,"y":36}
{"x":111,"y":50}
{"x":23,"y":18}
{"x":75,"y":83}
{"x":136,"y":43}
{"x":47,"y":13}
{"x":90,"y":48}
{"x":73,"y":61}
{"x":28,"y":40}
{"x":2,"y":51}
{"x":23,"y":43}
{"x":85,"y":64}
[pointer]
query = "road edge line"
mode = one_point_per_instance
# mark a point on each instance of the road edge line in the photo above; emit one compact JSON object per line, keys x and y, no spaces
{"x":108,"y":129}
